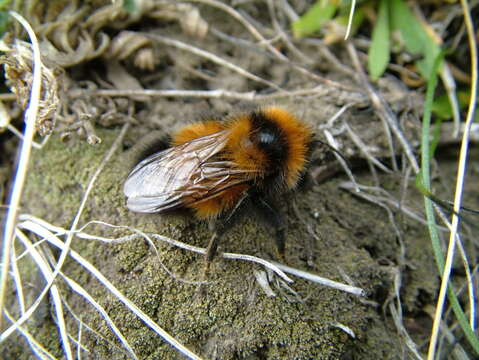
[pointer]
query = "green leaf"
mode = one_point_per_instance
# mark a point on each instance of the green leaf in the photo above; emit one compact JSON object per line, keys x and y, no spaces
{"x":4,"y":16}
{"x":130,"y":6}
{"x":4,"y":3}
{"x":441,"y":107}
{"x":378,"y":57}
{"x":415,"y":38}
{"x":314,"y":18}
{"x":4,"y":20}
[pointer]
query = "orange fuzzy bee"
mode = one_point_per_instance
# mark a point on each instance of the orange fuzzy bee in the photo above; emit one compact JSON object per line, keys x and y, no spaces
{"x":212,"y":166}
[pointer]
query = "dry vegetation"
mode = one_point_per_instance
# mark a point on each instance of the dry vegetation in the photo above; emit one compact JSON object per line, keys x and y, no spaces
{"x":86,"y":278}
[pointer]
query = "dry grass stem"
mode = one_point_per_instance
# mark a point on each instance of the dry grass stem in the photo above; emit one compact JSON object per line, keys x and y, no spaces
{"x":363,"y":148}
{"x":387,"y":199}
{"x":384,"y":112}
{"x":346,"y":329}
{"x":36,"y":347}
{"x":79,"y":348}
{"x":233,"y":256}
{"x":459,"y":184}
{"x":214,"y":58}
{"x":213,"y":94}
{"x":18,"y":134}
{"x":263,"y":282}
{"x":54,"y":240}
{"x":85,"y":326}
{"x":469,"y":278}
{"x":240,"y":18}
{"x":329,"y":124}
{"x":8,"y":97}
{"x":167,"y":93}
{"x":350,"y":19}
{"x":323,"y":281}
{"x":328,"y":55}
{"x":65,"y":249}
{"x":403,"y":332}
{"x":30,"y":119}
{"x":82,"y":292}
{"x":343,"y":163}
{"x":278,"y":269}
{"x":283,"y":36}
{"x":47,"y":272}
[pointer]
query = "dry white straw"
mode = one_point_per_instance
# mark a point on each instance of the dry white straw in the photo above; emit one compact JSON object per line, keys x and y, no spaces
{"x":30,"y":118}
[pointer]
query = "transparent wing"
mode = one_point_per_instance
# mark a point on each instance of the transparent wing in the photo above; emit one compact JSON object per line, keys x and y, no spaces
{"x":182,"y":175}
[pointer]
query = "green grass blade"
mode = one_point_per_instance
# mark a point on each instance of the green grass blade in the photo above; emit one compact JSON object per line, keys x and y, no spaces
{"x":431,"y":222}
{"x":415,"y":38}
{"x":378,"y":57}
{"x":314,"y":18}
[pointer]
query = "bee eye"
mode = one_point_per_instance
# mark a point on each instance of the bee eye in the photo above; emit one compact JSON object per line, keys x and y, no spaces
{"x":265,"y":138}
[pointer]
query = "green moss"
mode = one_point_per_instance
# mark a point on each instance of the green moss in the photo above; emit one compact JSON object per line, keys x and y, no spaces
{"x":230,"y":317}
{"x":60,"y":174}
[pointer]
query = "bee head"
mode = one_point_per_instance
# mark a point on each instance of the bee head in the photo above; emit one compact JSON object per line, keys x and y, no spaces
{"x":270,"y":141}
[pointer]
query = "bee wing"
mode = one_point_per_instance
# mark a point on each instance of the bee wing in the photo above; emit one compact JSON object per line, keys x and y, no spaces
{"x":181,"y":175}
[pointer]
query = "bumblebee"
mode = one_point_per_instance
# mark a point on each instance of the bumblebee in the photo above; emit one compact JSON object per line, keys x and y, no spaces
{"x":212,"y":166}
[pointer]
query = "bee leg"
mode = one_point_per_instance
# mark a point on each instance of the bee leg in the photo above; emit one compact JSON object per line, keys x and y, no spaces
{"x":218,"y":228}
{"x":280,"y":240}
{"x":209,"y":256}
{"x":211,"y":249}
{"x":273,"y":218}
